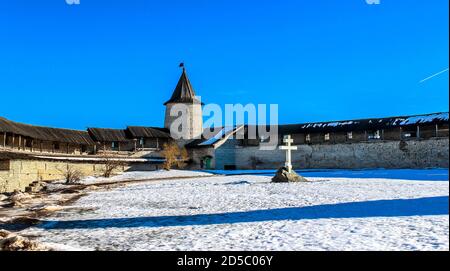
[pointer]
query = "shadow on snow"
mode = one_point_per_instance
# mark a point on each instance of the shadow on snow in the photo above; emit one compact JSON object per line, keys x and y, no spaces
{"x":379,"y":208}
{"x":395,"y":174}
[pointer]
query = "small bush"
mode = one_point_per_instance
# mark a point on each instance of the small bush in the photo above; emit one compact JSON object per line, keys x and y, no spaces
{"x":111,"y":164}
{"x":72,"y":175}
{"x":183,"y":158}
{"x":175,"y":157}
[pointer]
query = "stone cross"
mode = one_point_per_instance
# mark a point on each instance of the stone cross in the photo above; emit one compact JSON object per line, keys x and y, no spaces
{"x":288,"y":148}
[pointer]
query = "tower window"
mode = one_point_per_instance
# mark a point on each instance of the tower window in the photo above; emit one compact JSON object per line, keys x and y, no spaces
{"x":308,"y":138}
{"x":327,"y":137}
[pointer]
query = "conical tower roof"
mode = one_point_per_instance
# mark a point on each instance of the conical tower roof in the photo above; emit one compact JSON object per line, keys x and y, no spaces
{"x":184,"y":92}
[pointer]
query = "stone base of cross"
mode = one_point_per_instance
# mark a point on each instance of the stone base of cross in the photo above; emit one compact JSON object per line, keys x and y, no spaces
{"x":288,"y":148}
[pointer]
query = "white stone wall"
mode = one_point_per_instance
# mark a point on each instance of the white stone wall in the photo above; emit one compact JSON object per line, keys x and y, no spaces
{"x":226,"y":154}
{"x":18,"y":174}
{"x":384,"y":154}
{"x":195,"y":120}
{"x":22,"y":173}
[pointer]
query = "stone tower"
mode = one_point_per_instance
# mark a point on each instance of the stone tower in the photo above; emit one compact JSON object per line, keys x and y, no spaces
{"x":184,"y":95}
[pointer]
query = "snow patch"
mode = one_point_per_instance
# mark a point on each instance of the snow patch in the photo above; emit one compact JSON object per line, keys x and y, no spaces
{"x":145,"y":175}
{"x":251,"y":213}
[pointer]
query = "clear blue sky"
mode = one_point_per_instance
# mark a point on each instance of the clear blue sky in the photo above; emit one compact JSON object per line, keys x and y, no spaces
{"x":111,"y":63}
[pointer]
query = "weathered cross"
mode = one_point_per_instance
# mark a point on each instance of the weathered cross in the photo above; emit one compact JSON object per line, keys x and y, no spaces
{"x":288,"y":148}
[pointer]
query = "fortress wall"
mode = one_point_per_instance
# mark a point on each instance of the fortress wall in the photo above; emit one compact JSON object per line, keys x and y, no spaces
{"x":19,"y":174}
{"x":226,"y":154}
{"x":430,"y":153}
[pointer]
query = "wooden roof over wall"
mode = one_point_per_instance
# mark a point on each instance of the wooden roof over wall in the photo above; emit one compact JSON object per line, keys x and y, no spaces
{"x":118,"y":135}
{"x":108,"y":135}
{"x":46,"y":133}
{"x":132,"y":132}
{"x":344,"y":126}
{"x":148,"y":132}
{"x":366,"y":124}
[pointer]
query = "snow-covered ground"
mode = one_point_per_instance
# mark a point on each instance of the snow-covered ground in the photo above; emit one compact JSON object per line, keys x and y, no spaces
{"x":247,"y":212}
{"x":145,"y":175}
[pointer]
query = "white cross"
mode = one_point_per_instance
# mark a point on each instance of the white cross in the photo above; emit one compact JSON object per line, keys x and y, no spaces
{"x":288,"y":148}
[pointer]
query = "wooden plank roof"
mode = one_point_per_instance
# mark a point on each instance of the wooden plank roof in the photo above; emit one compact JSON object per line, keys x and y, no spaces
{"x":366,"y":124}
{"x":46,"y":133}
{"x":108,"y":135}
{"x":340,"y":126}
{"x":147,"y":132}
